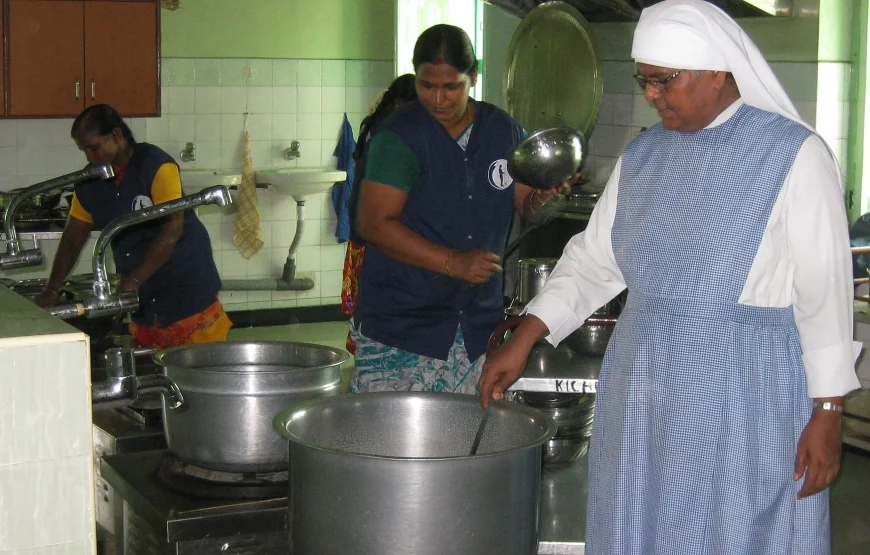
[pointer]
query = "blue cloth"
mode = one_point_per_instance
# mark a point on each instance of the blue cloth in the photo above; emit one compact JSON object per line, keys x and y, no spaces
{"x":463,"y":200}
{"x":188,"y":282}
{"x":341,"y":191}
{"x":701,"y":400}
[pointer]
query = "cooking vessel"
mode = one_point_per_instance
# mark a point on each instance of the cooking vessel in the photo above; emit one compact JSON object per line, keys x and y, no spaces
{"x":389,"y":472}
{"x":533,"y":274}
{"x":547,"y":157}
{"x":232,"y":391}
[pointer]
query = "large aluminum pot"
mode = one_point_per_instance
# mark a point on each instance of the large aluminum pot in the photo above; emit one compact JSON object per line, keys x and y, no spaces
{"x":391,"y":473}
{"x":232,"y":391}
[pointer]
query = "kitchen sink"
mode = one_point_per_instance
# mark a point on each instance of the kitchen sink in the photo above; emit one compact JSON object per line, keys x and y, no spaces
{"x":301,"y":182}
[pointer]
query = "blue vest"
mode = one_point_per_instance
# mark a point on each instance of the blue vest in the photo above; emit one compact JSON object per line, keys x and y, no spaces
{"x":188,"y":282}
{"x":463,"y":200}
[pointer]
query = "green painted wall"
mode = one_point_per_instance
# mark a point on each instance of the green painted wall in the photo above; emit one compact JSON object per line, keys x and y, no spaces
{"x":313,"y":29}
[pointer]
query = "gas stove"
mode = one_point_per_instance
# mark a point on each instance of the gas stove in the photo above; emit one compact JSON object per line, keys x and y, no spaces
{"x":155,"y":520}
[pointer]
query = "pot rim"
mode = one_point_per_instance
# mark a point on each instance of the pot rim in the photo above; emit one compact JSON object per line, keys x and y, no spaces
{"x":280,"y":420}
{"x":160,"y":357}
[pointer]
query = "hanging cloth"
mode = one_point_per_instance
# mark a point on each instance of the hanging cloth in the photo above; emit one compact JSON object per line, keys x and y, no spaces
{"x":341,"y":191}
{"x":249,"y":234}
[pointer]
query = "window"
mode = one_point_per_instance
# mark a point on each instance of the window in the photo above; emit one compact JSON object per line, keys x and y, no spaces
{"x":415,"y":16}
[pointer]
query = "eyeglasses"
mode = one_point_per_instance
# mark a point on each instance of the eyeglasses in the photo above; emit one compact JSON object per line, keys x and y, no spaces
{"x":644,"y":82}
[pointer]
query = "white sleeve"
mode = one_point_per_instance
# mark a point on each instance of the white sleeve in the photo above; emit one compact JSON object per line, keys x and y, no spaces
{"x":817,"y":232}
{"x":586,"y":276}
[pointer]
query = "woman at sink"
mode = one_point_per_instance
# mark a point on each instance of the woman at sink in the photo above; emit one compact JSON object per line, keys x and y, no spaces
{"x":168,"y":262}
{"x":435,"y":208}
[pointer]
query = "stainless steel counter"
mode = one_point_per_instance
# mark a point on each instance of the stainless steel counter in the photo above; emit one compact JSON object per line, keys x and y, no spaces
{"x":179,"y":518}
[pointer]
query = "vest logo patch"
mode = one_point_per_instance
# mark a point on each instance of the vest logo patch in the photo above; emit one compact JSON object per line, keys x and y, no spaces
{"x":499,"y":176}
{"x":141,"y":202}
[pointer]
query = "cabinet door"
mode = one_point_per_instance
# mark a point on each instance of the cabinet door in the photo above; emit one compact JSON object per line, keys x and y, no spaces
{"x":46,"y":53}
{"x":121,"y":56}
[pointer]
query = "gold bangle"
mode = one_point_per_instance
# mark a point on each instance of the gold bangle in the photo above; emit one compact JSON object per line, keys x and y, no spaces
{"x":52,"y":289}
{"x":447,"y":262}
{"x":139,"y":283}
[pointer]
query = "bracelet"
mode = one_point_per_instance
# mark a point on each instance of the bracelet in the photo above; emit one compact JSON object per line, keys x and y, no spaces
{"x":138,"y":283}
{"x":529,"y":199}
{"x":447,"y":262}
{"x":827,"y":405}
{"x":52,"y":289}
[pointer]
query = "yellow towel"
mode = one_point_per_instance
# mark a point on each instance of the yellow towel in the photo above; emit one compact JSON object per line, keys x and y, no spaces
{"x":249,"y":235}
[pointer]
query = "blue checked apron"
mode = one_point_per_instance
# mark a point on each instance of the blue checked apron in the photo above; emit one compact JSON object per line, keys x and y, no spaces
{"x":701,"y":400}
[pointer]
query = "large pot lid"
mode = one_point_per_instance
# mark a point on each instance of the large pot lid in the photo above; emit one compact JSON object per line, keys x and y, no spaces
{"x":553,"y":74}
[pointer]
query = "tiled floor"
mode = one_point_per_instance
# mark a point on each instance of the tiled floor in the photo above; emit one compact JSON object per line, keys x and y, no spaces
{"x":850,"y":494}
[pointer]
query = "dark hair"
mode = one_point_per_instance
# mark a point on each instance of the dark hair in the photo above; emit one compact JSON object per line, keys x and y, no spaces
{"x":100,"y":119}
{"x":448,"y":44}
{"x":402,"y":88}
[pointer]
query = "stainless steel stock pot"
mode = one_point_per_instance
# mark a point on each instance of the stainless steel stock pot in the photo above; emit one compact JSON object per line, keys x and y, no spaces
{"x":232,"y":391}
{"x":391,"y":473}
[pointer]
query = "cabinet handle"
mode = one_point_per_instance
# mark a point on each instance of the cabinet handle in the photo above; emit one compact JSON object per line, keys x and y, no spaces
{"x":78,"y":89}
{"x":93,"y":90}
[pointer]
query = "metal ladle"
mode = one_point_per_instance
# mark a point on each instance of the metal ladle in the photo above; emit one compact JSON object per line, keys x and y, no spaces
{"x":480,"y":428}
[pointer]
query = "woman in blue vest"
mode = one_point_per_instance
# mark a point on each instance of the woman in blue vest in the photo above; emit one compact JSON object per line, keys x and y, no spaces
{"x":168,"y":261}
{"x":435,"y":209}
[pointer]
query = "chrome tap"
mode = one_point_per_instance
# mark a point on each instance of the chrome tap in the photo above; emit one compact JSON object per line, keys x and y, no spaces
{"x":218,"y":195}
{"x":15,"y":257}
{"x":103,"y":302}
{"x":292,"y":152}
{"x":189,"y":153}
{"x":122,"y":386}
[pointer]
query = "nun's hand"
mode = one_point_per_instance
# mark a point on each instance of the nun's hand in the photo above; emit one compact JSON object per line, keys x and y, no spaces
{"x":818,"y":452}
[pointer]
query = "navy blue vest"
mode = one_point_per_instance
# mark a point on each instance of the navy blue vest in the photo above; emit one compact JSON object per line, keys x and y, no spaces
{"x":463,"y":200}
{"x":188,"y":282}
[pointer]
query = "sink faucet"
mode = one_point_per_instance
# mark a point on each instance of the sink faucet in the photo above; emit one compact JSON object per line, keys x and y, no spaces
{"x":15,"y":257}
{"x":103,"y":302}
{"x":189,"y":153}
{"x":218,"y":195}
{"x":123,"y":386}
{"x":293,"y":152}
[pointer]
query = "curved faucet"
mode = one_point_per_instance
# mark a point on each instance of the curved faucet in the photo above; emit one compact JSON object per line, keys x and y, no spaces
{"x":218,"y":195}
{"x":15,"y":257}
{"x":123,"y":386}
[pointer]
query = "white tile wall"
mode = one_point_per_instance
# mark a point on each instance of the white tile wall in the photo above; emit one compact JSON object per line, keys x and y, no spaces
{"x":204,"y":102}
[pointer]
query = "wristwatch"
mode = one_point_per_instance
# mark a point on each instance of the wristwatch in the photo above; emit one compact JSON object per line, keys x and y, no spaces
{"x":827,"y":405}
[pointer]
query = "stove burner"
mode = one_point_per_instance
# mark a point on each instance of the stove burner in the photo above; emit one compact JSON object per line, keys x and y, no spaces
{"x":196,"y":481}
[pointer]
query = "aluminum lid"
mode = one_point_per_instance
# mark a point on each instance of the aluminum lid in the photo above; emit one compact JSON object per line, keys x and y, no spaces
{"x":553,"y":74}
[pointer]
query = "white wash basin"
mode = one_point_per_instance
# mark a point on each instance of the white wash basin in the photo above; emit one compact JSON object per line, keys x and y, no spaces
{"x":194,"y":181}
{"x":301,"y":182}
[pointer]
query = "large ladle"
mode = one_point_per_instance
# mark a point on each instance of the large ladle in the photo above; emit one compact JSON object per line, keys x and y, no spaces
{"x":480,"y":428}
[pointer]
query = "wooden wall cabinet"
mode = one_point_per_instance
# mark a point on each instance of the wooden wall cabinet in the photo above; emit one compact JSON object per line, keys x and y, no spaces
{"x":65,"y":55}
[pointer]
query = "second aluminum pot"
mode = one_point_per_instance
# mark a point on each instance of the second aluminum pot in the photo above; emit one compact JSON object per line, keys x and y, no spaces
{"x":390,"y":473}
{"x":232,"y":391}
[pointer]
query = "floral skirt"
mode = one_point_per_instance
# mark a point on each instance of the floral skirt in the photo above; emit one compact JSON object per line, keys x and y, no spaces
{"x":212,"y":324}
{"x":350,"y":284}
{"x":380,"y":367}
